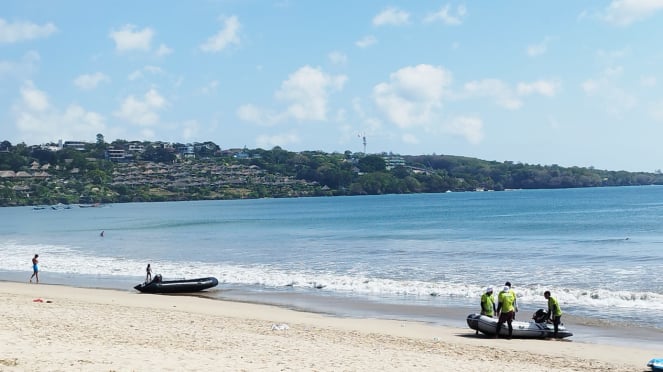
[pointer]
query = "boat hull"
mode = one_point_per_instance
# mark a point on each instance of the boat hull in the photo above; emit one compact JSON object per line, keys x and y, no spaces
{"x":177,"y":286}
{"x":488,"y":326}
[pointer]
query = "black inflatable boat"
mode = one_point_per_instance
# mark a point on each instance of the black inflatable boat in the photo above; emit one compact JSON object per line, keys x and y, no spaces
{"x":177,"y":286}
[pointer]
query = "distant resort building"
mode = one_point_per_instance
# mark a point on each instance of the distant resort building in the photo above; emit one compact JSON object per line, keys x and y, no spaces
{"x":392,"y":161}
{"x":76,"y":145}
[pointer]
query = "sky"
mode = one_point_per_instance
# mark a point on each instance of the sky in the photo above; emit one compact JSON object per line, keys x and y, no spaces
{"x":569,"y":82}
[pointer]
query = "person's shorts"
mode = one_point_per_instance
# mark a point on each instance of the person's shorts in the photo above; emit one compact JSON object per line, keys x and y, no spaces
{"x":507,"y":317}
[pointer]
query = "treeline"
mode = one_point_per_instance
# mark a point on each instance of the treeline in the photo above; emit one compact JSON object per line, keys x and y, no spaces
{"x":86,"y":176}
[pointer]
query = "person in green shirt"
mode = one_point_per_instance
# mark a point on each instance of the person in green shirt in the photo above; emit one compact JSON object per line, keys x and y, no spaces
{"x":506,"y":309}
{"x":488,"y":303}
{"x":554,"y":311}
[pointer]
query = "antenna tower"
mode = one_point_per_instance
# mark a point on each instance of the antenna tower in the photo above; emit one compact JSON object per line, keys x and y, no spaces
{"x":363,"y":138}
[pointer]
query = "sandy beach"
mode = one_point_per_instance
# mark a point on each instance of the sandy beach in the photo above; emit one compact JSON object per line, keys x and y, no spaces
{"x":80,"y":329}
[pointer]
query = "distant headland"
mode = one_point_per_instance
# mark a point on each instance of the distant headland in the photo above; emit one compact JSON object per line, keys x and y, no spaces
{"x":74,"y":172}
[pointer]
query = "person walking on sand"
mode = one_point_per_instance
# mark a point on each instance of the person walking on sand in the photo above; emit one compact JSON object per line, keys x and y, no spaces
{"x":148,"y":276}
{"x":35,"y":268}
{"x":506,"y":309}
{"x":554,"y":311}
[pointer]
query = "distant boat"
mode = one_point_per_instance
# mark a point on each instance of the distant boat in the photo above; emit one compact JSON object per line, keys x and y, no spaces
{"x":176,"y":286}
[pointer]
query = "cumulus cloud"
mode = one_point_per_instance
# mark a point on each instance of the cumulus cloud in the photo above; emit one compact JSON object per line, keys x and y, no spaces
{"x":305,"y":93}
{"x":142,"y":111}
{"x":90,"y":81}
{"x":366,"y":41}
{"x":39,"y":120}
{"x":412,"y":95}
{"x":447,"y":15}
{"x":229,"y":34}
{"x":20,"y":69}
{"x":391,"y":16}
{"x":22,"y":31}
{"x":626,"y":12}
{"x":128,"y":38}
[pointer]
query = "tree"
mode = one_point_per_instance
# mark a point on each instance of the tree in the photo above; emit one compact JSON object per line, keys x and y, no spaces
{"x":372,"y":163}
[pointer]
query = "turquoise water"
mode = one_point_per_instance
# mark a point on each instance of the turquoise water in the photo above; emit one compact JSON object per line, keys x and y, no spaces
{"x":599,"y":250}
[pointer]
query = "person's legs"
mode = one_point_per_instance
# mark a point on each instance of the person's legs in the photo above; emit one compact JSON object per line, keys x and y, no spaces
{"x":510,"y":326}
{"x":556,"y":321}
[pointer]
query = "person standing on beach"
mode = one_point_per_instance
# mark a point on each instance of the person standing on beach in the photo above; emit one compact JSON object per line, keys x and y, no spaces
{"x":35,"y":268}
{"x":515,"y":298}
{"x":554,"y":311}
{"x":506,"y":301}
{"x":488,"y":303}
{"x":148,"y":276}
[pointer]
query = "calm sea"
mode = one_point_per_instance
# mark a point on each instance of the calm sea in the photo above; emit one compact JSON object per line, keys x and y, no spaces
{"x":599,"y":250}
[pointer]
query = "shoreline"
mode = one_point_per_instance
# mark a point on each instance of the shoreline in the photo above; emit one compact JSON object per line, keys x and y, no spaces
{"x":106,"y":329}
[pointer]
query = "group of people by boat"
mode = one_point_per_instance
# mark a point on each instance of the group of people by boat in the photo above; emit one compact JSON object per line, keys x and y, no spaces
{"x":493,"y":315}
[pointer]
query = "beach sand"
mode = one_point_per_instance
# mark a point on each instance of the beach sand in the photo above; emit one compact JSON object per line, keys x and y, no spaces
{"x":82,"y":329}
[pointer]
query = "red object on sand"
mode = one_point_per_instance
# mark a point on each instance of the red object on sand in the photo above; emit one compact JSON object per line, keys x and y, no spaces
{"x":37,"y":300}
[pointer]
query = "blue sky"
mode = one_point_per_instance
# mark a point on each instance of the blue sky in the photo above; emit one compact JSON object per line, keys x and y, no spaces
{"x":573,"y":83}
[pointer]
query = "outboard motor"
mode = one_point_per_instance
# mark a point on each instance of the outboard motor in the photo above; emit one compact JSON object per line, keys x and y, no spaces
{"x":157,"y":278}
{"x":540,"y":316}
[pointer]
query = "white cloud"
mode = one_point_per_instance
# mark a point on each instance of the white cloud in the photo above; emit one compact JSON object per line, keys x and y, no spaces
{"x":22,"y":31}
{"x":142,"y":112}
{"x":447,"y":15}
{"x":255,"y":114}
{"x":535,"y":50}
{"x":282,"y":140}
{"x":338,"y":58}
{"x":138,"y":74}
{"x":90,"y":81}
{"x":128,"y":38}
{"x":39,"y":121}
{"x":229,"y":34}
{"x":543,"y":87}
{"x":470,"y":128}
{"x":33,"y":98}
{"x":20,"y":69}
{"x":164,"y":50}
{"x":306,"y":91}
{"x":626,"y":12}
{"x":606,"y":89}
{"x":648,"y":81}
{"x":413,"y":94}
{"x":366,"y":41}
{"x":391,"y":16}
{"x":210,"y":87}
{"x":496,"y":89}
{"x":305,"y":94}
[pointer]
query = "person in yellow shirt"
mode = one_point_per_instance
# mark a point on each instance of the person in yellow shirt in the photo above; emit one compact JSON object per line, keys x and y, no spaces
{"x":506,"y":310}
{"x":554,"y":311}
{"x":488,"y":303}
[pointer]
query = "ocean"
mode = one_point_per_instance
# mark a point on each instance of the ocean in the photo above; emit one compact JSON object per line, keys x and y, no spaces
{"x":423,"y":256}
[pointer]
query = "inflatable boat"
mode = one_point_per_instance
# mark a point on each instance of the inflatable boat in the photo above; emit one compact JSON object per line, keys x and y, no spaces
{"x":176,"y":286}
{"x":536,"y":328}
